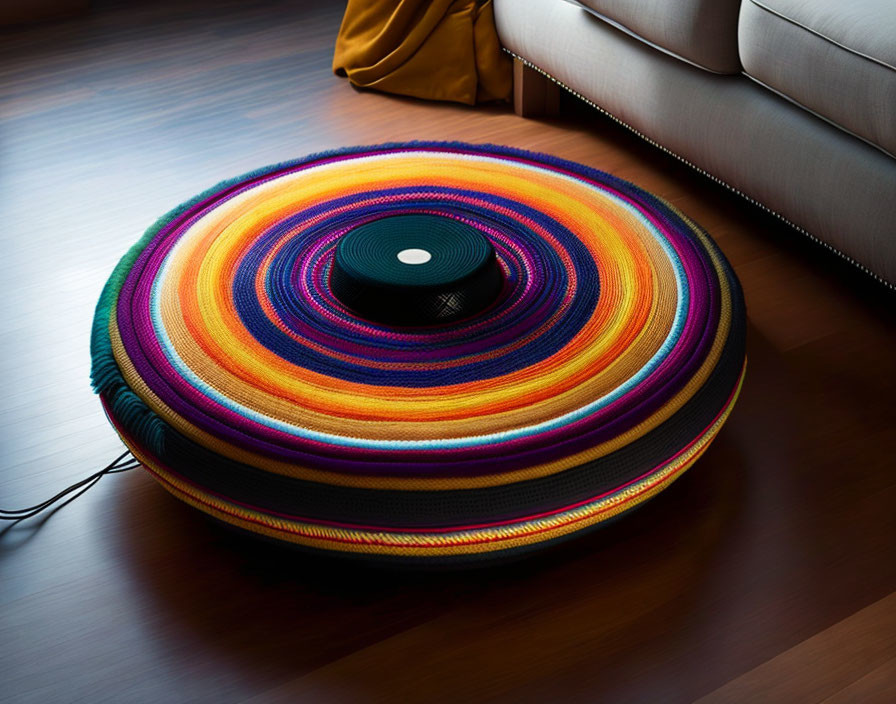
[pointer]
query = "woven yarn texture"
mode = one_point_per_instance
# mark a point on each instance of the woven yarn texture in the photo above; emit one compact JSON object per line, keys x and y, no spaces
{"x":608,"y":360}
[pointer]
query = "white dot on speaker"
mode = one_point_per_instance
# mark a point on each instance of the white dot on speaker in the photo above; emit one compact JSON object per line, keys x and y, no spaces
{"x":414,"y":256}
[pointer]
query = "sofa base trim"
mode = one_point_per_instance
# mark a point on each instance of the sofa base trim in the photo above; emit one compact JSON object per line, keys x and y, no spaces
{"x":710,"y":176}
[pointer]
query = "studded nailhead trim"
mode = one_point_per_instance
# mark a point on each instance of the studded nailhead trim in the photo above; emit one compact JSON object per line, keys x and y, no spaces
{"x":710,"y":176}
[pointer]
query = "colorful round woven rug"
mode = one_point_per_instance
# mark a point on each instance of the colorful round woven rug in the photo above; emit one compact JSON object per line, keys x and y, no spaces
{"x":571,"y":345}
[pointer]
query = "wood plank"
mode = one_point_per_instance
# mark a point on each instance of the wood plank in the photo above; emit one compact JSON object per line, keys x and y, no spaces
{"x":830,"y":666}
{"x":877,"y":687}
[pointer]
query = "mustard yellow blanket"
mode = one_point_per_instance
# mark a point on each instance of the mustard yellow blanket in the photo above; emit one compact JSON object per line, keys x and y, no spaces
{"x":433,"y":49}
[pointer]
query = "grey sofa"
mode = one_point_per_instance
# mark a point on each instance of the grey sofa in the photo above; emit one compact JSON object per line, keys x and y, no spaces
{"x":791,"y":103}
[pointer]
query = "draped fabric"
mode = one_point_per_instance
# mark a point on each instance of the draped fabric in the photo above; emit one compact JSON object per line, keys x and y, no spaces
{"x":436,"y":50}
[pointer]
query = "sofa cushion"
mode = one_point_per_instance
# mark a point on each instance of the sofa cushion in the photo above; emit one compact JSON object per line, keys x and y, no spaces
{"x":817,"y":176}
{"x":835,"y":58}
{"x":701,"y":32}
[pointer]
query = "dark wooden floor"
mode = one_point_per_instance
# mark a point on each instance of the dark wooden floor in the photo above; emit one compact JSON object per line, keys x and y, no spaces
{"x":766,"y":574}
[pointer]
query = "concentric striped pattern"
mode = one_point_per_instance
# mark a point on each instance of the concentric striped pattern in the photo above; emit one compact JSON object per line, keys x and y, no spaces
{"x":609,"y":361}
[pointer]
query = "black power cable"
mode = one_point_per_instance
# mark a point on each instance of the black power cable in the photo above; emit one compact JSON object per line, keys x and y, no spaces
{"x":120,"y":464}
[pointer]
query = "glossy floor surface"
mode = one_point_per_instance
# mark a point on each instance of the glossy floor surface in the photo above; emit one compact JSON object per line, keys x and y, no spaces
{"x":767,"y":573}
